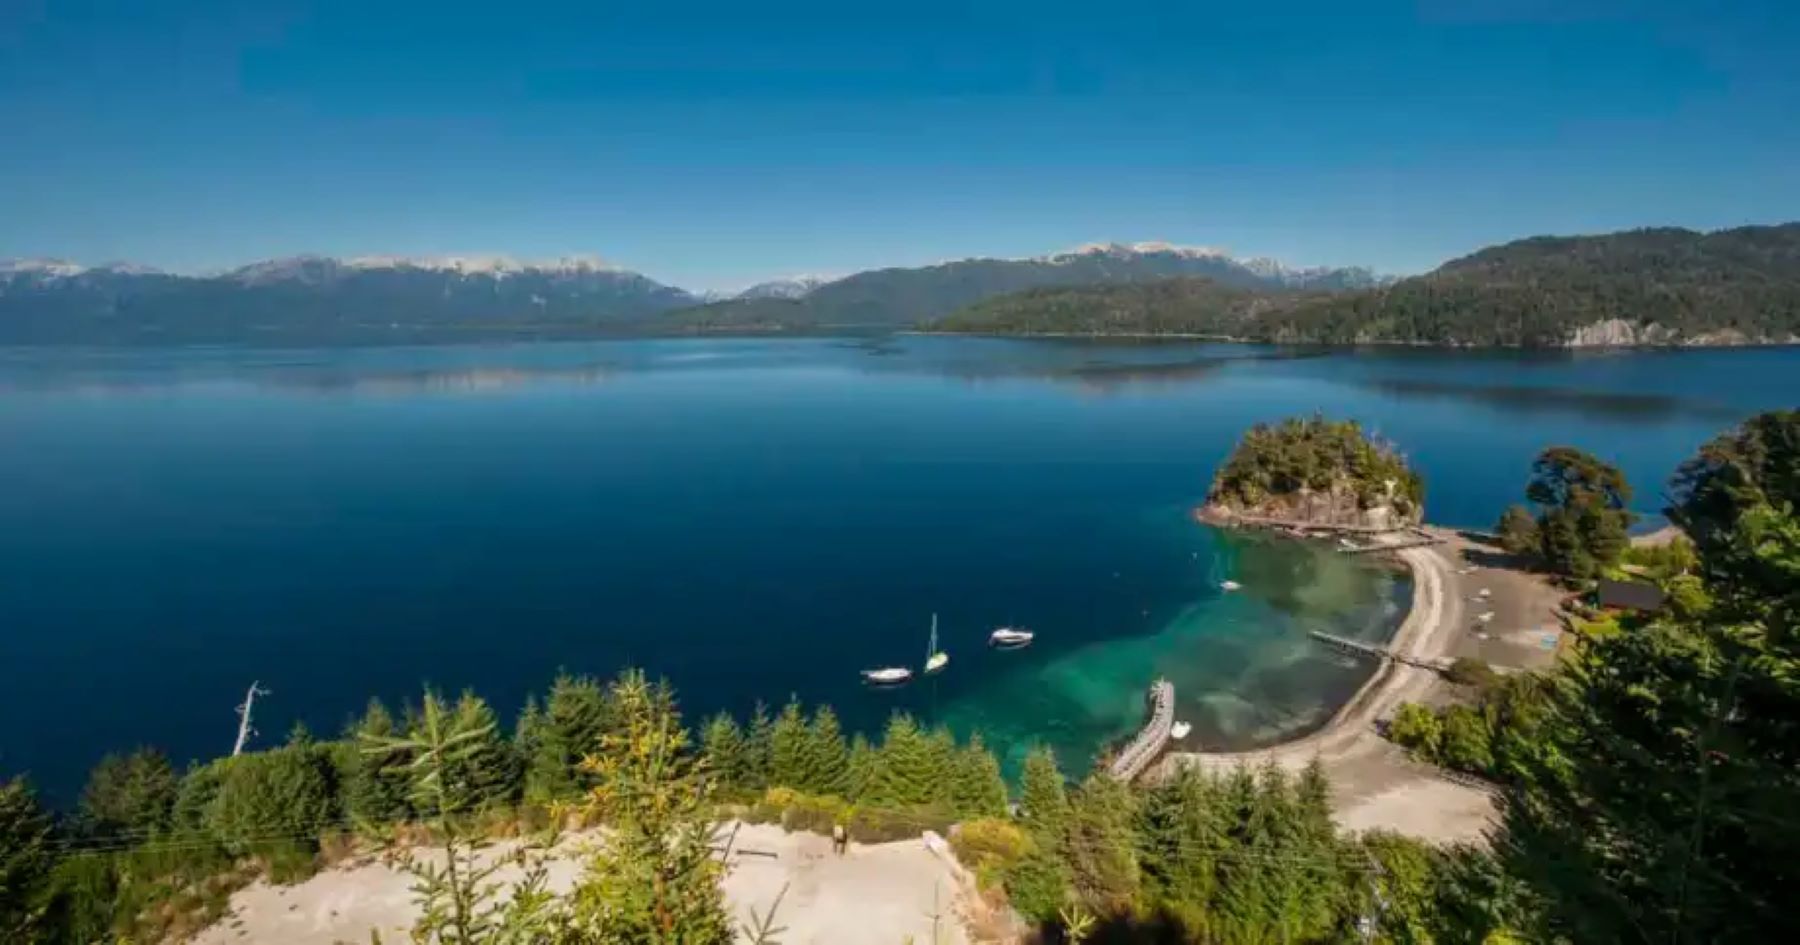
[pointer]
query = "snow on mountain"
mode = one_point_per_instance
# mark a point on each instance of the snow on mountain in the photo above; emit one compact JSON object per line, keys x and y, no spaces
{"x":794,"y":287}
{"x":1137,"y":249}
{"x":494,"y":265}
{"x":52,"y":268}
{"x":1263,"y":267}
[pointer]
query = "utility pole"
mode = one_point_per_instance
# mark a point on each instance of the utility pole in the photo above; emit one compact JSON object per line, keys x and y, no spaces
{"x":243,"y":711}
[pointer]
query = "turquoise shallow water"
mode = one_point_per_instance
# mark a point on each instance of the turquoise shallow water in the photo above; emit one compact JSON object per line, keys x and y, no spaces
{"x":752,"y":518}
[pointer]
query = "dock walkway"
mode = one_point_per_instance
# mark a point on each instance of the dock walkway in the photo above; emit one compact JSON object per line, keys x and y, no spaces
{"x":1152,"y":738}
{"x":1360,"y":648}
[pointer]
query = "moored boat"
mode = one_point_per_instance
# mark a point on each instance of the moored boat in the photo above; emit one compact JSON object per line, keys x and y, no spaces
{"x":935,"y":659}
{"x":1010,"y":638}
{"x":1229,"y":585}
{"x":887,"y":676}
{"x":1180,"y":730}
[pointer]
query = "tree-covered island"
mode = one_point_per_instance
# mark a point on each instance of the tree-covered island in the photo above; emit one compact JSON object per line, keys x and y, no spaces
{"x":1316,"y":471}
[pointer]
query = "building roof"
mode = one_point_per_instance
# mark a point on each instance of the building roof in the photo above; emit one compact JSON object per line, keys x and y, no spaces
{"x":1630,"y":595}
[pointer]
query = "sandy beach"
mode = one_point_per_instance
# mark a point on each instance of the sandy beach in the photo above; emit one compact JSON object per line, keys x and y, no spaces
{"x":1375,"y":785}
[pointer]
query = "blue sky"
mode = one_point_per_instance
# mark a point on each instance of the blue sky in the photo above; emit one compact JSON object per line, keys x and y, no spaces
{"x":712,"y":145}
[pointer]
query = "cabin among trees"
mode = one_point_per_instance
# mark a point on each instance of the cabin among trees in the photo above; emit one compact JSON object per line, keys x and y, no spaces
{"x":1640,"y":596}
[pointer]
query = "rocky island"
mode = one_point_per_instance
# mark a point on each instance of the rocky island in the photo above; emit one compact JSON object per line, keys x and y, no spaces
{"x":1314,"y":473}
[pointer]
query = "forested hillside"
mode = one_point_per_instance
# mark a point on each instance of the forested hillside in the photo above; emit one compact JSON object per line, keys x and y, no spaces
{"x":1170,"y":306}
{"x":904,"y":298}
{"x":1642,"y":287}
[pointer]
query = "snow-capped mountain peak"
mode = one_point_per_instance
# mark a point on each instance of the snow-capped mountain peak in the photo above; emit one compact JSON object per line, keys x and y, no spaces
{"x":480,"y":264}
{"x":52,"y":268}
{"x":1140,"y":249}
{"x":792,"y":287}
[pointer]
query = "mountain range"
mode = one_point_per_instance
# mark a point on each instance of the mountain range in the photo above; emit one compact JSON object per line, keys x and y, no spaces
{"x":1661,"y":287}
{"x":1657,"y":286}
{"x":322,"y":300}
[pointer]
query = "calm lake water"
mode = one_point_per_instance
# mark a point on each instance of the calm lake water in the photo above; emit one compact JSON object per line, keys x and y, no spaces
{"x":750,"y":518}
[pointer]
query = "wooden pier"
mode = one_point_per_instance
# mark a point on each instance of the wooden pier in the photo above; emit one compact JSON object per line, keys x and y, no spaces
{"x":1377,"y":651}
{"x":1152,"y":738}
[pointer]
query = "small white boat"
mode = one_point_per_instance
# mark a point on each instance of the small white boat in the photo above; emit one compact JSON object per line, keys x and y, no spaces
{"x":1485,"y":593}
{"x":1229,"y":586}
{"x":1180,"y":730}
{"x":1010,"y":638}
{"x":935,"y":659}
{"x":1485,"y":618}
{"x":887,"y":676}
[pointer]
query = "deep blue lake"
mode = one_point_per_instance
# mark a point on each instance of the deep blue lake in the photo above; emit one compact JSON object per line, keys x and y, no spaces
{"x":751,"y":518}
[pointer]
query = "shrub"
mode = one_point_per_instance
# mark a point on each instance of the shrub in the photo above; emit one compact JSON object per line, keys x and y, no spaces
{"x":288,"y":792}
{"x":1038,"y":885}
{"x":814,"y":814}
{"x":1416,"y":728}
{"x":990,"y":846}
{"x":1468,"y":671}
{"x":885,"y":825}
{"x":1466,"y":744}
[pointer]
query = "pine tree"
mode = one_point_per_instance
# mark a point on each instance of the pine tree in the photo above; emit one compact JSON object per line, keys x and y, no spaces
{"x":656,"y":879}
{"x":1303,"y":862}
{"x":375,"y":789}
{"x":1043,"y":797}
{"x":757,"y":737}
{"x":527,"y":744}
{"x":485,"y":775}
{"x":788,"y":748}
{"x":1242,"y":905}
{"x":25,"y":860}
{"x":827,"y":755}
{"x":722,"y":744}
{"x":1183,"y":833}
{"x":130,"y":794}
{"x":941,"y":754}
{"x":1101,"y":847}
{"x":979,"y":790}
{"x":458,"y":900}
{"x":908,"y":771}
{"x":862,"y":770}
{"x":575,"y":716}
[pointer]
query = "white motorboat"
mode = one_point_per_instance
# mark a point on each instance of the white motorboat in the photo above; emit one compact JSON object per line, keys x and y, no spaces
{"x":1180,"y":730}
{"x":1229,"y":586}
{"x":887,"y":676}
{"x":1010,"y":638}
{"x":935,"y":659}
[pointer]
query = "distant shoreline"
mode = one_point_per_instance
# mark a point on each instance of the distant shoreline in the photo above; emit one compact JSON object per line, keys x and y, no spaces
{"x":1348,"y":345}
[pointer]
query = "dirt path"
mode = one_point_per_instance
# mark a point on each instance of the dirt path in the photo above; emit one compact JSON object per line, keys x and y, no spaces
{"x":873,"y":895}
{"x":1375,"y":785}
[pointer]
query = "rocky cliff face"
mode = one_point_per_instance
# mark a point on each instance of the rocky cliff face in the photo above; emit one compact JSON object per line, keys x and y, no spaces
{"x":1338,"y":507}
{"x":1619,"y":333}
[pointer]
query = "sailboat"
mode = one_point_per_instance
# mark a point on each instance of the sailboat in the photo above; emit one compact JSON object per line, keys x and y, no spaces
{"x":935,"y":659}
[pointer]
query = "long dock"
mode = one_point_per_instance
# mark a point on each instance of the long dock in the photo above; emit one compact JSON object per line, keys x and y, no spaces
{"x":1152,"y":738}
{"x":1376,"y":650}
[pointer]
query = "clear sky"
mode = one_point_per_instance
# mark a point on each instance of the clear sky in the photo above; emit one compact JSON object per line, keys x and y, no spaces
{"x":711,"y":145}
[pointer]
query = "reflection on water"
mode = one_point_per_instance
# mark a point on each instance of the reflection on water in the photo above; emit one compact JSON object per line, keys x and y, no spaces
{"x":1528,"y":399}
{"x":1619,"y":385}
